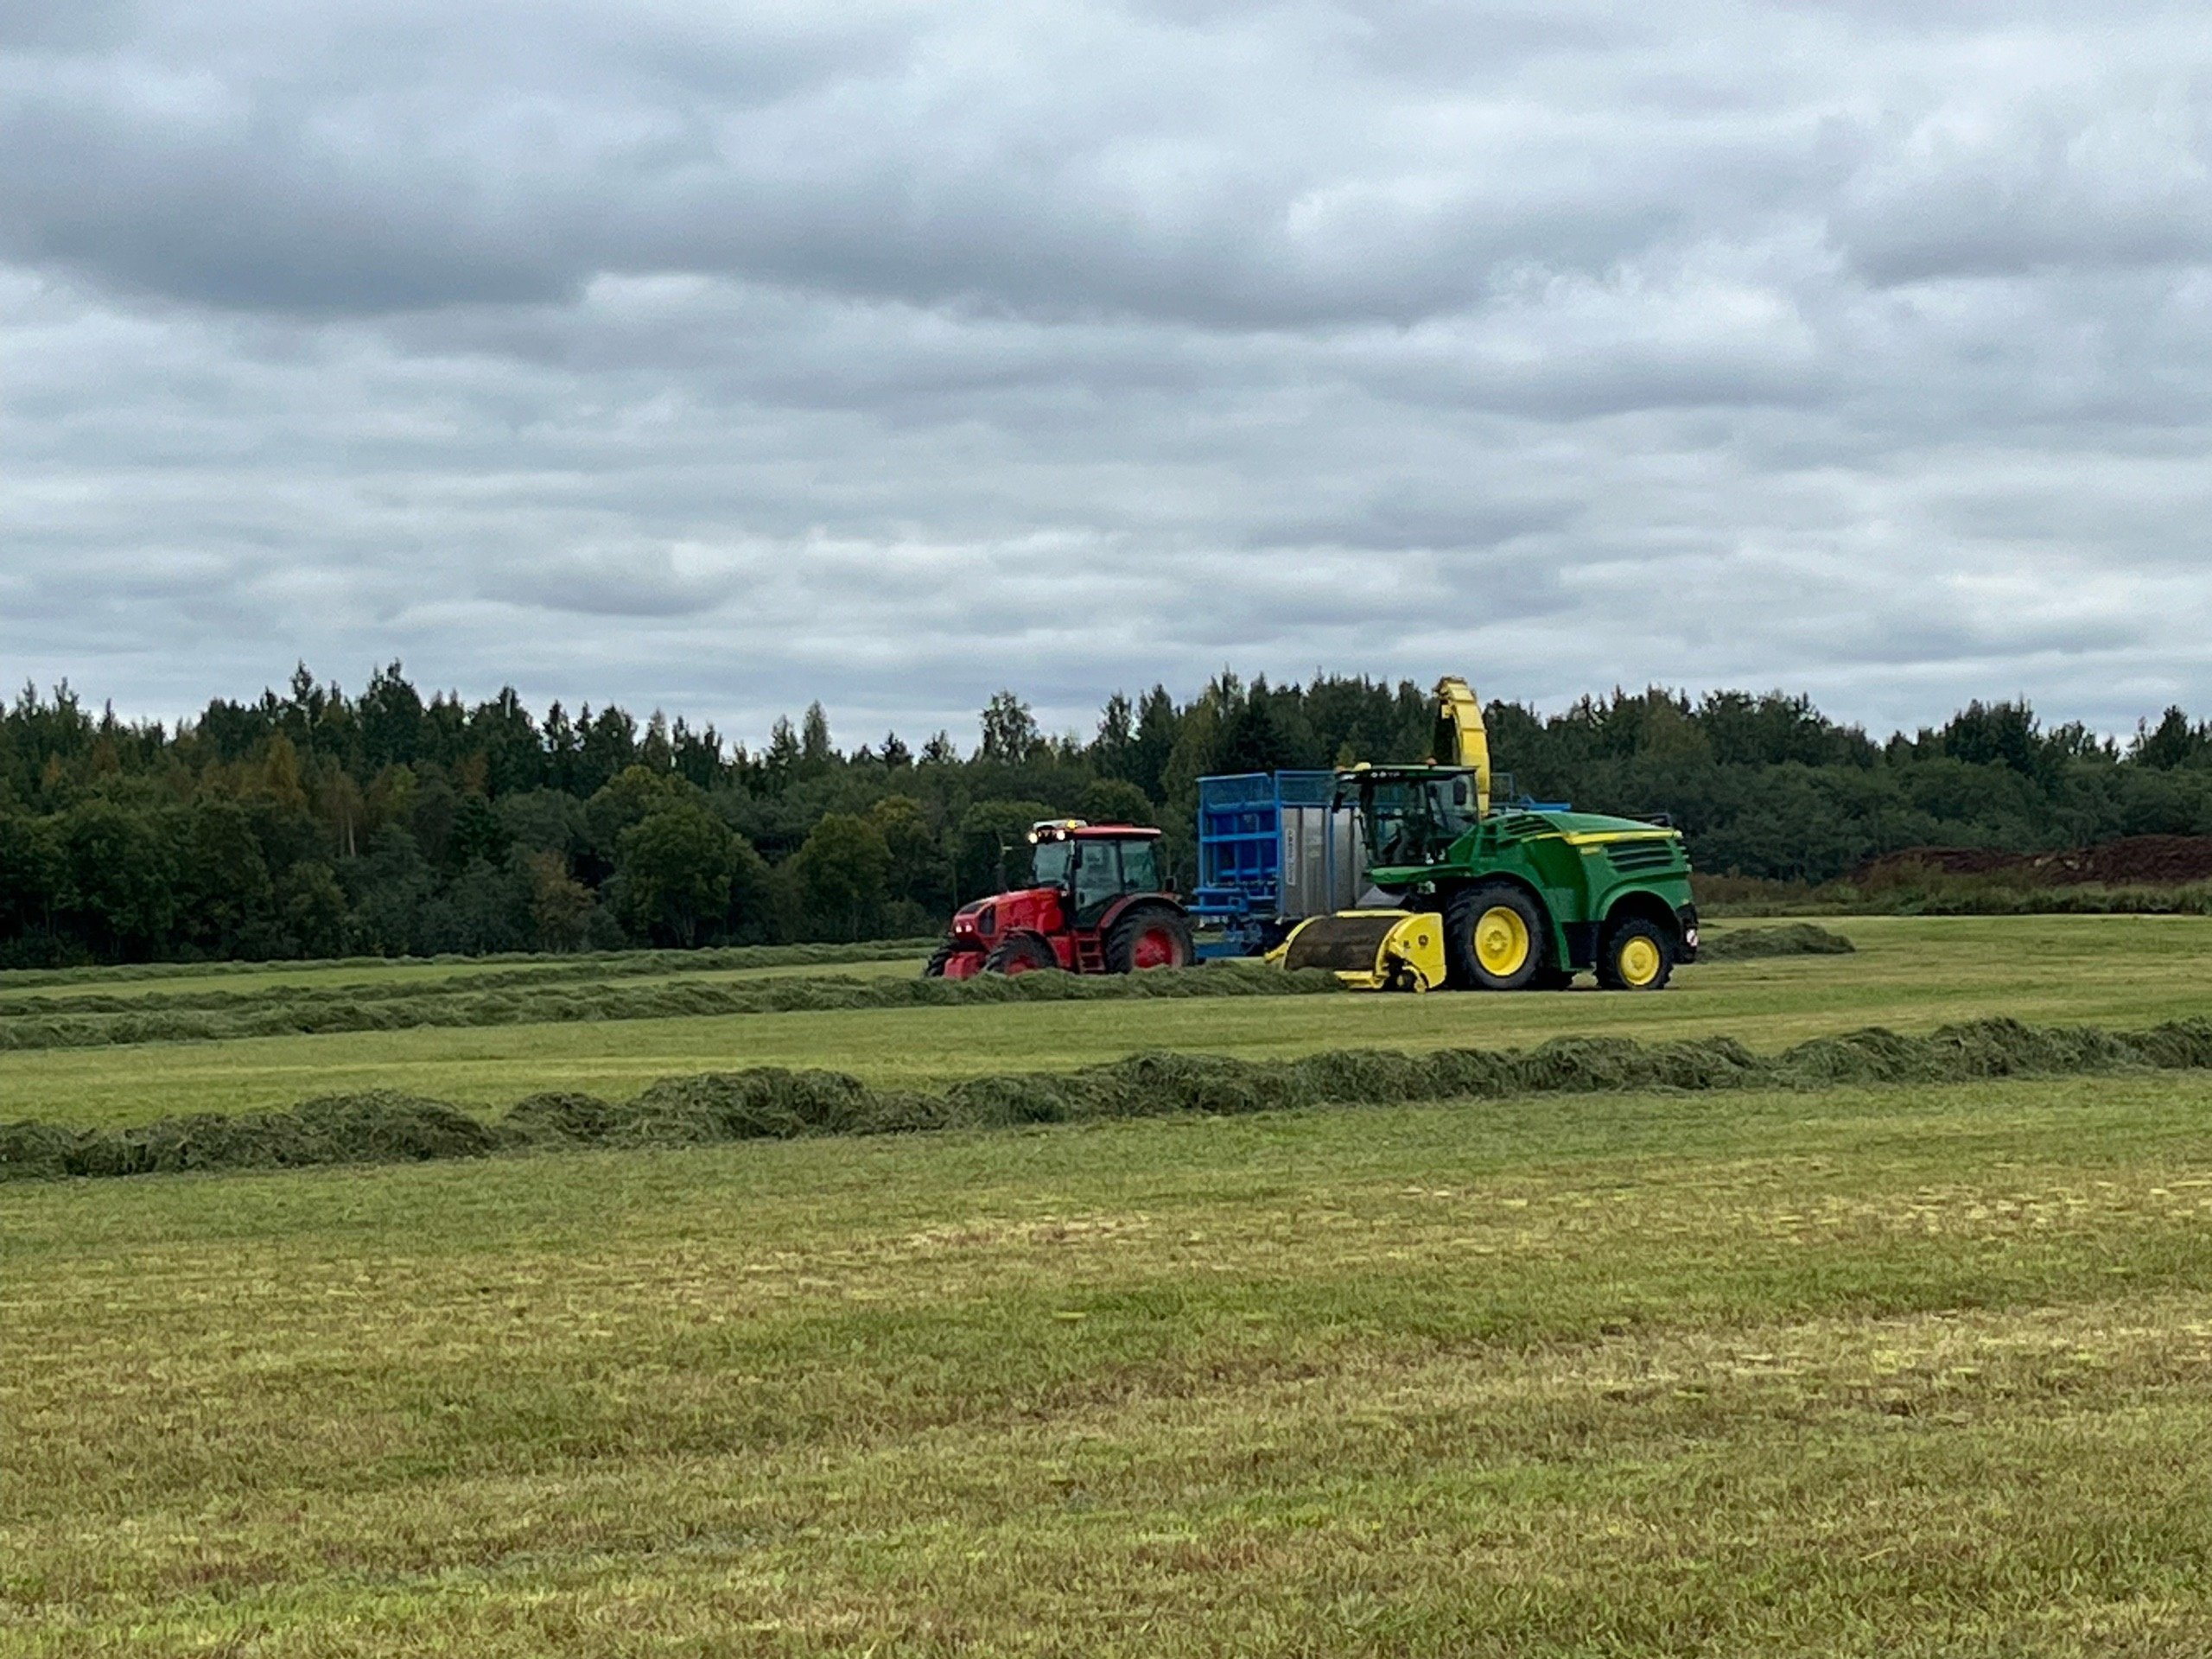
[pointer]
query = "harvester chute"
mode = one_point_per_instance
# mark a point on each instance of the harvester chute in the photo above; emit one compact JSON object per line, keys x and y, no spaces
{"x":1461,"y":739}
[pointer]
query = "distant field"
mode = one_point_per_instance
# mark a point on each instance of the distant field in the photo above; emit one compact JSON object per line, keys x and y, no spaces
{"x":1856,"y":1372}
{"x":1910,"y":973}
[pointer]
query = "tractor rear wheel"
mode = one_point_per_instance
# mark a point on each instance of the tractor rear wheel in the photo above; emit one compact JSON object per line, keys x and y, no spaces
{"x":1638,"y":955}
{"x":1495,"y":937}
{"x":1149,"y":936}
{"x":1024,"y":953}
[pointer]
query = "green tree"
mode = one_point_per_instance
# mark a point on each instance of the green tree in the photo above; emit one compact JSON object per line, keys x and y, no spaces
{"x":559,"y":905}
{"x":675,"y":866}
{"x":122,"y":878}
{"x":314,"y":908}
{"x":920,"y":872}
{"x":626,"y":799}
{"x":1111,"y":801}
{"x":31,"y":875}
{"x":478,"y":833}
{"x":1010,"y":733}
{"x":992,"y":846}
{"x":225,"y":888}
{"x":815,"y":751}
{"x":843,"y":867}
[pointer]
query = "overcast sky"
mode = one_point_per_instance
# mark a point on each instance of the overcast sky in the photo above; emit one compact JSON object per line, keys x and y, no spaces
{"x":721,"y":357}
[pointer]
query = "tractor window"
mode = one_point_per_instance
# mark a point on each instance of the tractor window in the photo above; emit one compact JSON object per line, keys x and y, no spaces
{"x":1049,"y":869}
{"x":1141,"y":867}
{"x":1097,"y":878}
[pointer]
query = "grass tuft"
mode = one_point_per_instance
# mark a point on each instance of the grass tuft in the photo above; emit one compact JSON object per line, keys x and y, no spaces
{"x":1795,"y":939}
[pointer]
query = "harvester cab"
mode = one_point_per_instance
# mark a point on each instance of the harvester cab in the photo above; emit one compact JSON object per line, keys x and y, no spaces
{"x":1509,"y":899}
{"x":1096,"y":904}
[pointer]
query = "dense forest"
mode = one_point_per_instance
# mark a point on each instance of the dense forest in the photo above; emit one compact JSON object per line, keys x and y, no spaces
{"x":314,"y":823}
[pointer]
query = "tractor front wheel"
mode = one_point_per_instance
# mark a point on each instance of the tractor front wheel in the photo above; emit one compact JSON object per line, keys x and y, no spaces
{"x":934,"y":968}
{"x":1494,"y":938}
{"x":1638,"y":955}
{"x":1149,"y":936}
{"x":1024,"y":953}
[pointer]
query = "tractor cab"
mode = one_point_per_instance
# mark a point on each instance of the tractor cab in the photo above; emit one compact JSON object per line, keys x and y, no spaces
{"x":1093,"y":865}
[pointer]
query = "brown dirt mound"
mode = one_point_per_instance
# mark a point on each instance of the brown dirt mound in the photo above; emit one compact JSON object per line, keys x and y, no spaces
{"x":2133,"y":860}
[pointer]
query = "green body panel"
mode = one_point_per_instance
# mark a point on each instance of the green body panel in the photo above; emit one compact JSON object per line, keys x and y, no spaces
{"x":1583,"y":866}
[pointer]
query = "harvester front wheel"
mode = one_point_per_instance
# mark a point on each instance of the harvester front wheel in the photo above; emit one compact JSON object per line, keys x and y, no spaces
{"x":1494,"y":938}
{"x":1149,"y":936}
{"x":1024,"y":953}
{"x":1638,"y":956}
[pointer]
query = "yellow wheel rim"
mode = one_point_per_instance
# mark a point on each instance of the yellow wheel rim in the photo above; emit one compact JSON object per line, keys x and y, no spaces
{"x":1639,"y":962}
{"x":1501,"y":941}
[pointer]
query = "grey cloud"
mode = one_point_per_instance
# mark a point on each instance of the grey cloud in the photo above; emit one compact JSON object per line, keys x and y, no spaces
{"x":722,"y":360}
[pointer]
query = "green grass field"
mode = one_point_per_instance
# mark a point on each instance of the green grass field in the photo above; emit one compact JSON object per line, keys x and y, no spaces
{"x":1909,"y":973}
{"x":1856,"y":1370}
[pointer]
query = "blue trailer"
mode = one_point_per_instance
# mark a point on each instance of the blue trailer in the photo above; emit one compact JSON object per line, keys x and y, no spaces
{"x":1273,"y":848}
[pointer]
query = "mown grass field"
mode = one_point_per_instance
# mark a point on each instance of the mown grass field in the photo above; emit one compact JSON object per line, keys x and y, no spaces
{"x":1842,"y":1370}
{"x":1909,"y":973}
{"x":1862,"y":1371}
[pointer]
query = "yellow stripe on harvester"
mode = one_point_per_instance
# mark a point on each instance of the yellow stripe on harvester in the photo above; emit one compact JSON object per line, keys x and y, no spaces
{"x":1594,"y":837}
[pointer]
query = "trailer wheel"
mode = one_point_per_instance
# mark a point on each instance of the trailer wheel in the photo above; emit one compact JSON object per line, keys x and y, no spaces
{"x":1494,"y":938}
{"x":1638,"y":955}
{"x":1149,"y":936}
{"x":1023,"y":953}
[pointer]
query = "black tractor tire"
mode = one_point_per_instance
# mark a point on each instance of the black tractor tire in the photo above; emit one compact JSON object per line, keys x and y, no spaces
{"x":1466,"y":909}
{"x":1624,"y":962}
{"x":1168,"y":927}
{"x":1020,"y":953}
{"x":934,"y":968}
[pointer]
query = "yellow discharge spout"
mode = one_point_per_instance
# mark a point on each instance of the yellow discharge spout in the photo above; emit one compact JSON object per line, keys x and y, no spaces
{"x":1461,"y":739}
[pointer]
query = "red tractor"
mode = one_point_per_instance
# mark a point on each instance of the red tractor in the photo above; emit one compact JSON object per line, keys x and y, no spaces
{"x":1095,"y":904}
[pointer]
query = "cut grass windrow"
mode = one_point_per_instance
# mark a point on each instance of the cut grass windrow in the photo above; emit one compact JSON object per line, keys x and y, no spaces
{"x":770,"y":1102}
{"x":311,"y":1013}
{"x":56,"y":988}
{"x":523,"y":997}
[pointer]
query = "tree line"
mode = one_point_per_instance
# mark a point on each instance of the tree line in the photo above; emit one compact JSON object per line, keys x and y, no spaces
{"x":312,"y":823}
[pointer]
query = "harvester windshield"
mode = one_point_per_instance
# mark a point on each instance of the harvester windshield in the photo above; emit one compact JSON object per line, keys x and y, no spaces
{"x":1413,"y":817}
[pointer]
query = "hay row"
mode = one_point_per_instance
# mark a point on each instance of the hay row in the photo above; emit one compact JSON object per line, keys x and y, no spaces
{"x":1796,"y":939}
{"x":316,"y":1014}
{"x":525,"y":969}
{"x":308,"y":1011}
{"x":772,"y":1104}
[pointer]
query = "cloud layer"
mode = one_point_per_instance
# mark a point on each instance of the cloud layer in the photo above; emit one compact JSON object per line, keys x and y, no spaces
{"x":723,"y":358}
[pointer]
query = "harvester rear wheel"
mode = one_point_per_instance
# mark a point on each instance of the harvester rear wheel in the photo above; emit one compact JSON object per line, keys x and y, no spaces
{"x":1494,"y":938}
{"x":1024,"y":953}
{"x":1149,"y":936}
{"x":1638,"y":955}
